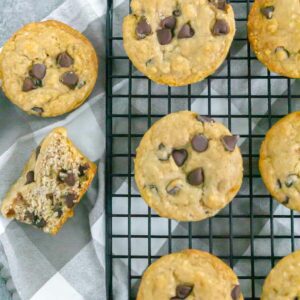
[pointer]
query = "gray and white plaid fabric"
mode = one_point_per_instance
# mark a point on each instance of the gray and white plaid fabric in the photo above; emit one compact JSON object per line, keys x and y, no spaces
{"x":71,"y":265}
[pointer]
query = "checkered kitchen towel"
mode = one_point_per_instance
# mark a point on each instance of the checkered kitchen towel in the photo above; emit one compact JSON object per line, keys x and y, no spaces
{"x":70,"y":266}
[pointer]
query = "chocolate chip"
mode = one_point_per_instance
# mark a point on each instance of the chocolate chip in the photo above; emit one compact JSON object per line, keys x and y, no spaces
{"x":267,"y":11}
{"x":184,"y":290}
{"x":168,"y":22}
{"x":174,"y":187}
{"x":196,"y":177}
{"x":236,"y":293}
{"x":220,"y":4}
{"x":163,"y":152}
{"x":70,"y":79}
{"x":64,"y":60}
{"x":40,"y":223}
{"x":205,"y":119}
{"x":291,"y":179}
{"x":200,"y":143}
{"x":229,"y":142}
{"x":286,"y":200}
{"x":66,"y":177}
{"x":29,"y":177}
{"x":221,"y":27}
{"x":70,"y":179}
{"x":50,"y":196}
{"x":69,"y":199}
{"x":186,"y":32}
{"x":179,"y":156}
{"x":164,"y":36}
{"x":143,"y":29}
{"x":29,"y":216}
{"x":37,"y":152}
{"x":82,"y":169}
{"x":38,"y":110}
{"x":177,"y":12}
{"x":278,"y":182}
{"x":28,"y":85}
{"x":38,"y":71}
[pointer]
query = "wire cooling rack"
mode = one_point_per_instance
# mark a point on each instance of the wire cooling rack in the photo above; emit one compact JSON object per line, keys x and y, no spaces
{"x":253,"y":232}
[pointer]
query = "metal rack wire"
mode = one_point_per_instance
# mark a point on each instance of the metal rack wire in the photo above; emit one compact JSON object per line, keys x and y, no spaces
{"x":259,"y":210}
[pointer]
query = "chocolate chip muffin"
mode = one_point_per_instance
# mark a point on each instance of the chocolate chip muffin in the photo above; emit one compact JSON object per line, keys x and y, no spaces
{"x":52,"y":183}
{"x":178,"y":42}
{"x":283,"y":282}
{"x":279,"y":161}
{"x":191,"y":275}
{"x":188,"y":167}
{"x":48,"y":68}
{"x":274,"y":28}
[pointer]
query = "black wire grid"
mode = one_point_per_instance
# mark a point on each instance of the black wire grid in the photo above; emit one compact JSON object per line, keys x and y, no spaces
{"x":258,"y":205}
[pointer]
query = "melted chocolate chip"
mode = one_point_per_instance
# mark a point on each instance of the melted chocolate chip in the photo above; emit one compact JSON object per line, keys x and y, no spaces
{"x":184,"y":290}
{"x":50,"y":196}
{"x":64,"y":60}
{"x":168,"y":22}
{"x":174,"y":187}
{"x":220,"y":4}
{"x":70,"y":179}
{"x":286,"y":200}
{"x":229,"y":142}
{"x":205,"y":119}
{"x":143,"y":29}
{"x":37,"y":152}
{"x":236,"y":293}
{"x":186,"y":32}
{"x":174,"y":190}
{"x":38,"y":71}
{"x":164,"y":36}
{"x":29,"y":216}
{"x":28,"y":84}
{"x":40,"y":223}
{"x":67,"y":177}
{"x":70,"y":79}
{"x":290,"y":180}
{"x":200,"y":143}
{"x":221,"y":27}
{"x":69,"y":199}
{"x":278,"y":182}
{"x":38,"y":110}
{"x":179,"y":156}
{"x":267,"y":11}
{"x":29,"y":177}
{"x":82,"y":169}
{"x":177,"y":12}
